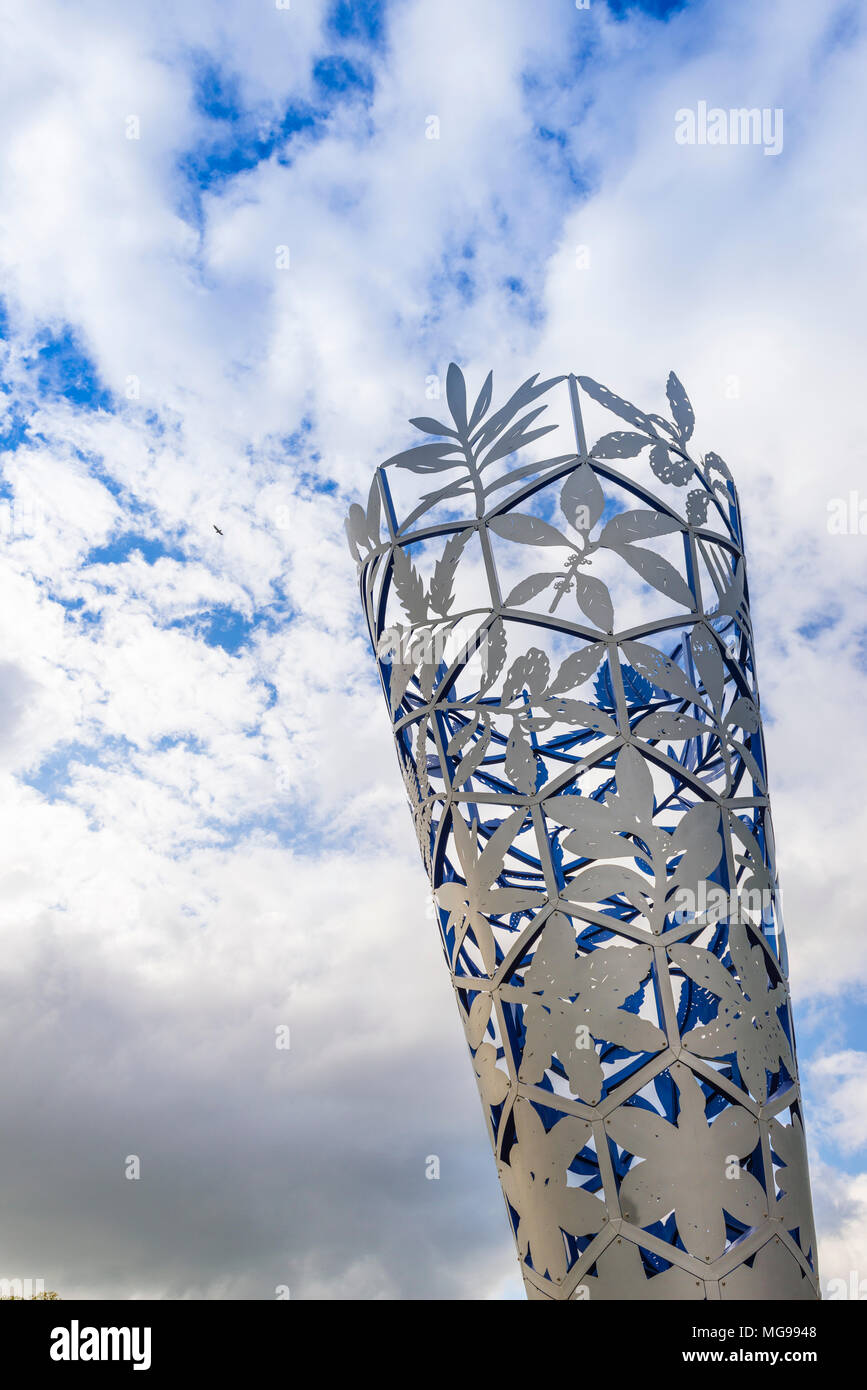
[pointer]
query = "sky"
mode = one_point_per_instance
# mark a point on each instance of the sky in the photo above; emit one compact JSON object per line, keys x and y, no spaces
{"x":239,"y":245}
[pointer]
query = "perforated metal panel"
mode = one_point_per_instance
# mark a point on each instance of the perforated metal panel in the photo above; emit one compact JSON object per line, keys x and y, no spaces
{"x":567,"y":656}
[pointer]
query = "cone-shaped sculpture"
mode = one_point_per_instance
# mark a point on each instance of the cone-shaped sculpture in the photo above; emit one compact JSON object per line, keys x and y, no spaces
{"x":564,"y":641}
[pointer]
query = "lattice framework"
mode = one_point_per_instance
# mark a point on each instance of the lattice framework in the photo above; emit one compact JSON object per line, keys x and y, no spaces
{"x":590,"y":798}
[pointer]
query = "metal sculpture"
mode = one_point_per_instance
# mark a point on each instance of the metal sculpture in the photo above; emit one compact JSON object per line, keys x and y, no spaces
{"x":566,"y":652}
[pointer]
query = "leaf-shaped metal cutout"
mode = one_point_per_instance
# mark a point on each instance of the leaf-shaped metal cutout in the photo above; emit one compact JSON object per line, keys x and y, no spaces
{"x":596,"y":828}
{"x":606,"y":881}
{"x":620,"y":444}
{"x":494,"y":653}
{"x":709,"y":663}
{"x":427,"y":425}
{"x":669,"y":467}
{"x":696,"y":506}
{"x":456,"y":395}
{"x":534,"y":1179}
{"x":714,"y":462}
{"x":577,"y":668}
{"x":516,"y":437}
{"x":520,"y":765}
{"x":409,"y":587}
{"x":529,"y":391}
{"x":659,"y":669}
{"x":634,"y":787}
{"x":656,"y":571}
{"x":483,"y":401}
{"x":582,"y":499}
{"x":580,"y":1001}
{"x":625,"y":409}
{"x":681,"y":410}
{"x":594,"y":599}
{"x":425,"y":458}
{"x":442,"y":583}
{"x":579,"y":712}
{"x":374,"y":511}
{"x":743,"y":714}
{"x":528,"y":530}
{"x":636,"y":526}
{"x":494,"y":1082}
{"x":474,"y":757}
{"x":356,"y":526}
{"x":675,"y":1153}
{"x":676,"y":726}
{"x":529,"y":588}
{"x":478,"y":1018}
{"x":463,"y":736}
{"x":794,"y":1208}
{"x":529,"y":671}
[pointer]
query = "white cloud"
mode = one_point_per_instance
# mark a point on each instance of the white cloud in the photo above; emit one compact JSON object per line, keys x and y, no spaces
{"x":842,"y":1079}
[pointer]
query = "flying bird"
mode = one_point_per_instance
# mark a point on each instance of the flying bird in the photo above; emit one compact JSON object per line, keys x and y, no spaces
{"x":217,"y":529}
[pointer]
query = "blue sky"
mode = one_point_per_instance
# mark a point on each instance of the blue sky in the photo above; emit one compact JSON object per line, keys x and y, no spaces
{"x":232,"y":262}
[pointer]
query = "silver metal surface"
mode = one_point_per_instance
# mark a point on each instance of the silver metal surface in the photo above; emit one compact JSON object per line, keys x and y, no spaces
{"x":564,"y":642}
